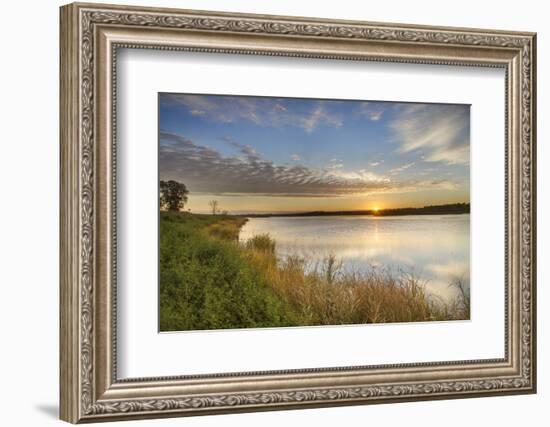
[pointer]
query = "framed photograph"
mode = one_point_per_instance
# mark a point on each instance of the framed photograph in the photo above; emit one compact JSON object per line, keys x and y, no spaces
{"x":265,"y":212}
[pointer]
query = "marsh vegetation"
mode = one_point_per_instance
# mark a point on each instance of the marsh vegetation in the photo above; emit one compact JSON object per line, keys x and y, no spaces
{"x":211,"y":280}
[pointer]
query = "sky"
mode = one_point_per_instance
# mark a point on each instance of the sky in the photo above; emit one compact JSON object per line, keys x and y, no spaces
{"x":268,"y":154}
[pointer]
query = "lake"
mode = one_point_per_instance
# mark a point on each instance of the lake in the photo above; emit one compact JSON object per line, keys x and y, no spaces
{"x":436,"y":248}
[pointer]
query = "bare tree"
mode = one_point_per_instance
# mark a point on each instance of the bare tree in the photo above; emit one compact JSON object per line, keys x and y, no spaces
{"x":214,"y":206}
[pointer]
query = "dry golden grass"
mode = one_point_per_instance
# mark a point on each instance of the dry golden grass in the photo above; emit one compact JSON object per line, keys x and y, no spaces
{"x":326,"y":294}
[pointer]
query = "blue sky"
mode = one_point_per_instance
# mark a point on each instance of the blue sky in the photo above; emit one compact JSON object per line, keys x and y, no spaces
{"x":256,"y":154}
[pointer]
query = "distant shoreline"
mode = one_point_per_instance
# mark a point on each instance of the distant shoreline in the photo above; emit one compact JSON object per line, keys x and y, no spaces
{"x":449,"y":209}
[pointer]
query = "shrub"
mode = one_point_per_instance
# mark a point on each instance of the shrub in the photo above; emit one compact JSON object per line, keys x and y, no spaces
{"x":262,"y":243}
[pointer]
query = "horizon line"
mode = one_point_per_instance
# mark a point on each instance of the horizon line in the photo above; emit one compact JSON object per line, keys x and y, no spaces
{"x":328,"y":212}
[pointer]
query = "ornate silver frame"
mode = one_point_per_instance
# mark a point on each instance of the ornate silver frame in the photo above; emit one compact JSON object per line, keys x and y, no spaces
{"x":90,"y":36}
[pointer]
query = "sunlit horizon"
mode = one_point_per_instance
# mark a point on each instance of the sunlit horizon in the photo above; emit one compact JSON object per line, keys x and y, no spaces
{"x":239,"y":205}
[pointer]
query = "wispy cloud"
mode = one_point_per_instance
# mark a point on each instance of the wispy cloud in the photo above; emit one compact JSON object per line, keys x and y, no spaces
{"x":440,"y":132}
{"x":317,"y":116}
{"x":401,"y":168}
{"x":268,"y":112}
{"x":360,"y":175}
{"x":333,"y":166}
{"x":377,"y":163}
{"x":205,"y":170}
{"x":372,"y":111}
{"x":295,"y":157}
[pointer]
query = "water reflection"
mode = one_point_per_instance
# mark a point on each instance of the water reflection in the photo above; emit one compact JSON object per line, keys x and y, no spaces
{"x":434,"y":247}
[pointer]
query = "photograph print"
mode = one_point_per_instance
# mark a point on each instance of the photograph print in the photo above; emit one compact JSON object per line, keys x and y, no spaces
{"x":291,"y":212}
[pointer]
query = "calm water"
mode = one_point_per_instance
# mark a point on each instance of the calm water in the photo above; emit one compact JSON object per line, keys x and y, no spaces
{"x":434,"y":247}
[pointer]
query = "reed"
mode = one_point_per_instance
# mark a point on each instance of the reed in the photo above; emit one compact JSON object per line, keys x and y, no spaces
{"x":327,"y":294}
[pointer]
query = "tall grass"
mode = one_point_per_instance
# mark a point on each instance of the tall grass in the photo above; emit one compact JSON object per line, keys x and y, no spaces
{"x":327,"y":294}
{"x":209,"y":281}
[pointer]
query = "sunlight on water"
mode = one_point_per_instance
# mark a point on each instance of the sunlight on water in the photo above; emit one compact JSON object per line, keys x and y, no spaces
{"x":434,"y":247}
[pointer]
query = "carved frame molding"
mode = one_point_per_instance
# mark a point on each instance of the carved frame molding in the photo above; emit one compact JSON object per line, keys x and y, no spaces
{"x":90,"y":36}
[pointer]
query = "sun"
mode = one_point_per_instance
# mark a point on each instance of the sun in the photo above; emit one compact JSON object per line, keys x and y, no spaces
{"x":375,"y":208}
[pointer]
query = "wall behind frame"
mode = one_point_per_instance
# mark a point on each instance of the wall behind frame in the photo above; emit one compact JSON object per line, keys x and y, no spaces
{"x":29,"y":171}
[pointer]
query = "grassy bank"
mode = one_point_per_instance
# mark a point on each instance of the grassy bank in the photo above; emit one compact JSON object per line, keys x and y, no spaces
{"x":208,"y":280}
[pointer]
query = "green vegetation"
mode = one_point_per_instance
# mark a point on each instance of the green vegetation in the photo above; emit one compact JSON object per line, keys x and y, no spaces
{"x":208,"y":280}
